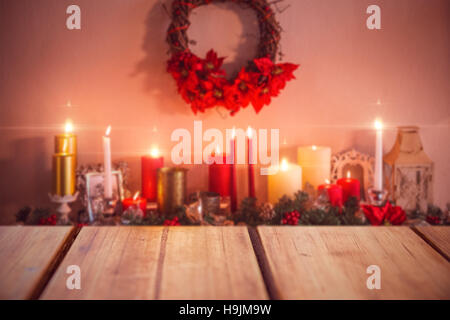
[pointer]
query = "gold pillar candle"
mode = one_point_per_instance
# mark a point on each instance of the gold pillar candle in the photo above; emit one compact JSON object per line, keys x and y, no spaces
{"x":64,"y":171}
{"x":66,"y":143}
{"x":65,"y":162}
{"x":171,"y":190}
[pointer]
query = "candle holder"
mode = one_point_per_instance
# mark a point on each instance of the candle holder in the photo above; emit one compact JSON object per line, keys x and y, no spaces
{"x":63,"y":208}
{"x":376,"y":197}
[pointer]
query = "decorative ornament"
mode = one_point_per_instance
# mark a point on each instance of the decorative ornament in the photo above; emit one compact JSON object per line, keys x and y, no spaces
{"x":409,"y":171}
{"x":203,"y":83}
{"x":291,"y":218}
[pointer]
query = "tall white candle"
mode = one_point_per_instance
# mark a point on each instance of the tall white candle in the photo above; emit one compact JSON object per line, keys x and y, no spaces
{"x":107,"y":163}
{"x":378,"y":174}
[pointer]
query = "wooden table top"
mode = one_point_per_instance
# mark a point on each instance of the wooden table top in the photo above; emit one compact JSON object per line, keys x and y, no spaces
{"x":280,"y":262}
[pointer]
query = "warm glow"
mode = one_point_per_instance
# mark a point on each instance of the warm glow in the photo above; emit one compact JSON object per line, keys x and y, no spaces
{"x":348,"y":174}
{"x":69,"y":104}
{"x":378,"y":124}
{"x":154,"y":152}
{"x":327,"y":181}
{"x":249,"y":132}
{"x":108,"y":131}
{"x":136,"y":195}
{"x":65,"y":146}
{"x":68,"y":127}
{"x":284,"y":164}
{"x":233,"y":133}
{"x":217,"y":149}
{"x":314,"y":148}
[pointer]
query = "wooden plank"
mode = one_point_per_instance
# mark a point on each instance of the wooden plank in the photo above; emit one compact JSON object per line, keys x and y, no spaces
{"x":438,"y":237}
{"x":26,"y":255}
{"x":331,"y":263}
{"x":115,"y":263}
{"x":210,"y":263}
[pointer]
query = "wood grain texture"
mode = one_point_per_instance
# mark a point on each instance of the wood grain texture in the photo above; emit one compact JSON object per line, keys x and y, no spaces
{"x":438,"y":237}
{"x":210,"y":263}
{"x":26,"y":254}
{"x":331,"y":263}
{"x":115,"y":263}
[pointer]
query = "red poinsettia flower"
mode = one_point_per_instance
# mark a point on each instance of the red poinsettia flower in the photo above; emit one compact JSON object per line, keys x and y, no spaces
{"x":281,"y":73}
{"x":394,"y":215}
{"x":213,"y":63}
{"x":264,"y":65}
{"x":389,"y":215}
{"x":374,"y":214}
{"x":261,"y":97}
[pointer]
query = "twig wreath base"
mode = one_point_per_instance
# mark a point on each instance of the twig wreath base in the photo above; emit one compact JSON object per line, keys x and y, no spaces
{"x":203,"y":83}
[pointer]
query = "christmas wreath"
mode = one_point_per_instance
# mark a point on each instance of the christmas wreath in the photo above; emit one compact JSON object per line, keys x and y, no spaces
{"x":203,"y":83}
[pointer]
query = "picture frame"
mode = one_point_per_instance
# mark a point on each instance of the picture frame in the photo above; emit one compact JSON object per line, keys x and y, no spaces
{"x":90,"y":184}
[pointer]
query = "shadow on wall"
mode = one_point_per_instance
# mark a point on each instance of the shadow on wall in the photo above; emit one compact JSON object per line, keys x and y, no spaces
{"x":158,"y":83}
{"x":16,"y":192}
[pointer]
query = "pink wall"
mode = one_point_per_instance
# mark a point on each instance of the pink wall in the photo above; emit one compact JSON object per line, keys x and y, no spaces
{"x":113,"y":71}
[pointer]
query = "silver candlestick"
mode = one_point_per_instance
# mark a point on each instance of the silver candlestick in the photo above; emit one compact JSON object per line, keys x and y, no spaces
{"x":63,"y":208}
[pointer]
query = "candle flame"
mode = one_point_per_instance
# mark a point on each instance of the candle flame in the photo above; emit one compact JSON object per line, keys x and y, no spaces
{"x":233,"y":133}
{"x":327,"y":181}
{"x":348,"y":174}
{"x":108,"y":131}
{"x":284,"y":164}
{"x":136,"y":195}
{"x":378,"y":124}
{"x":217,"y":149}
{"x":249,"y":132}
{"x":154,"y":152}
{"x":314,"y":148}
{"x":68,"y":128}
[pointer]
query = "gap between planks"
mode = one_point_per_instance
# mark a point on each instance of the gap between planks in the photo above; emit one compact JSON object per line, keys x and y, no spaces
{"x":263,"y":264}
{"x":430,"y":242}
{"x":54,"y":264}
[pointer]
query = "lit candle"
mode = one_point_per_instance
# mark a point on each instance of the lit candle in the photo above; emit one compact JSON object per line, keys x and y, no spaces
{"x":136,"y":202}
{"x":251,"y":164}
{"x":233,"y":177}
{"x":378,"y":174}
{"x":334,"y":193}
{"x":316,"y":164}
{"x":107,"y":163}
{"x":65,"y":162}
{"x":350,"y":187}
{"x":149,"y":173}
{"x":219,"y":174}
{"x":286,"y":181}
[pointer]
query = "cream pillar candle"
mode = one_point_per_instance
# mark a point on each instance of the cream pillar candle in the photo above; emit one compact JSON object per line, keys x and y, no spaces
{"x":286,"y":181}
{"x":316,"y":164}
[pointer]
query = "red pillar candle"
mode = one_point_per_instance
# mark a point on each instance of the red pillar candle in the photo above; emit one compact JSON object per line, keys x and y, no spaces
{"x":136,"y":202}
{"x":219,"y":179}
{"x":334,"y":193}
{"x":350,"y":187}
{"x":251,"y":165}
{"x":149,"y":170}
{"x":233,"y":178}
